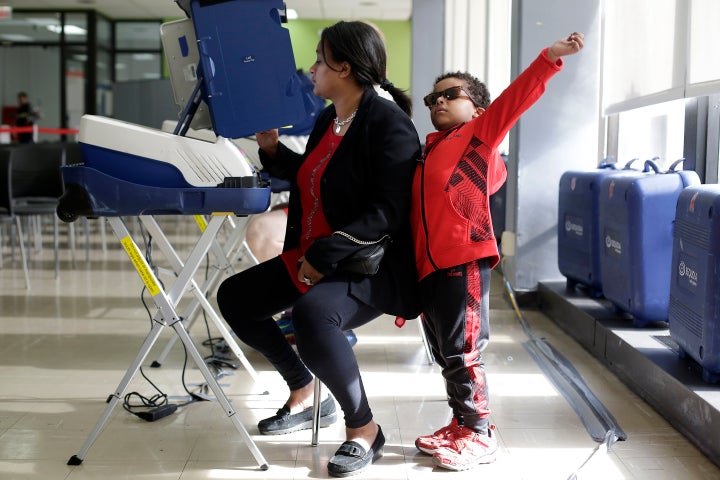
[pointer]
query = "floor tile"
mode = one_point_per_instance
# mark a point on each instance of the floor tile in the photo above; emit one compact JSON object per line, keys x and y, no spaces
{"x":67,"y":344}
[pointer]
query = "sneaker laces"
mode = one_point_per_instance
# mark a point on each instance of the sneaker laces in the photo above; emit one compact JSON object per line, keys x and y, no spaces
{"x":449,"y":431}
{"x":468,"y":435}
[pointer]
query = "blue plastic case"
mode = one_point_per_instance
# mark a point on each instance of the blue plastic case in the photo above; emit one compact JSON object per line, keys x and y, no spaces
{"x":636,"y":227}
{"x":578,"y":230}
{"x":694,"y":317}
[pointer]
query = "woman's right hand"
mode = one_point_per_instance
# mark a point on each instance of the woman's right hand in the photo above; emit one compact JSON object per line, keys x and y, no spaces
{"x":268,"y":141}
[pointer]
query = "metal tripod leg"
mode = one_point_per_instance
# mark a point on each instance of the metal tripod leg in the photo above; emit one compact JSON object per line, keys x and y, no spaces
{"x":114,"y":399}
{"x":222,"y":255}
{"x":199,"y":293}
{"x":167,"y":317}
{"x":428,"y":351}
{"x":219,"y":394}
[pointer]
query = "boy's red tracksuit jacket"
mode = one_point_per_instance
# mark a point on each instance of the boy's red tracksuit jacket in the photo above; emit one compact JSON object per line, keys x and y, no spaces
{"x":460,"y":169}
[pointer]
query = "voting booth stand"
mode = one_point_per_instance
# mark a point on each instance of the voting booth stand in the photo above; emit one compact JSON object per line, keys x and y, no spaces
{"x":232,"y":69}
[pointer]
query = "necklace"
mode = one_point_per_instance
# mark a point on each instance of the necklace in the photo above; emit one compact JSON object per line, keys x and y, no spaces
{"x":339,"y":124}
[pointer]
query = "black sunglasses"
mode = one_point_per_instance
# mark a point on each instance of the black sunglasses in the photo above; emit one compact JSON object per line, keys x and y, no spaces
{"x":449,"y":93}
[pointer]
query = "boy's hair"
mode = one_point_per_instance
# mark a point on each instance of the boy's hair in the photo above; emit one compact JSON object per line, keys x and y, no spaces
{"x":477,"y":90}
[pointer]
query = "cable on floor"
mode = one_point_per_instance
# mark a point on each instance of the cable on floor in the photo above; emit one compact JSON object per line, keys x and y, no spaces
{"x":598,"y":421}
{"x":157,"y":406}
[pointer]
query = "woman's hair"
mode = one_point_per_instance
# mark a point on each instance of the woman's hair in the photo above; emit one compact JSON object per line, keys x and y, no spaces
{"x":477,"y":90}
{"x":360,"y":45}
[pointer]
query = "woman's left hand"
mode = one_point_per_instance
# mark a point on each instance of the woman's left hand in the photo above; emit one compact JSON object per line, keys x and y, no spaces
{"x":307,"y":274}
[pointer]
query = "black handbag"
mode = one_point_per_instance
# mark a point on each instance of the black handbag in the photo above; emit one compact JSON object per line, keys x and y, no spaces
{"x":365,"y":261}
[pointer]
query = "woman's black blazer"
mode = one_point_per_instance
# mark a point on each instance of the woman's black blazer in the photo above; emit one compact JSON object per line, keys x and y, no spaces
{"x":365,"y":192}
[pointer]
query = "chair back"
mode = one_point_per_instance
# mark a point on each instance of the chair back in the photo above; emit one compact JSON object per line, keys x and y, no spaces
{"x":6,"y":207}
{"x":36,"y":171}
{"x":73,"y":154}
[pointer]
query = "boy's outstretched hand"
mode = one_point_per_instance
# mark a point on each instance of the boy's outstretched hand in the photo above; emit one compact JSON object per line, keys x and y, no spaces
{"x":566,"y":46}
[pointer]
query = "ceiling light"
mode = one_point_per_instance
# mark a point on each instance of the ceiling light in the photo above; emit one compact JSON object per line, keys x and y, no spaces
{"x":69,"y":29}
{"x":16,"y":37}
{"x":143,"y":57}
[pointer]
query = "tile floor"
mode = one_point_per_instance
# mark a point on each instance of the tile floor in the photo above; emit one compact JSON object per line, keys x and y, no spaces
{"x":66,"y":344}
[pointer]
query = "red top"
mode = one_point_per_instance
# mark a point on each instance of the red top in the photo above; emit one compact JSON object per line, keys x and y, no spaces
{"x":314,"y":224}
{"x":461,"y":168}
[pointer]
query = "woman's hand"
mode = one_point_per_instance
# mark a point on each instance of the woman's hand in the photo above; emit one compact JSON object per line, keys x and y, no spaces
{"x":307,"y":274}
{"x":268,"y":141}
{"x":566,"y":46}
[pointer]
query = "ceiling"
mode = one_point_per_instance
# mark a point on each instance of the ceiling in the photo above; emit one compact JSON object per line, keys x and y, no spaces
{"x":307,"y":9}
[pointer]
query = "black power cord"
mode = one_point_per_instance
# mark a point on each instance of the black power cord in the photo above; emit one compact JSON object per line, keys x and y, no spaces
{"x":157,"y":407}
{"x":153,"y":408}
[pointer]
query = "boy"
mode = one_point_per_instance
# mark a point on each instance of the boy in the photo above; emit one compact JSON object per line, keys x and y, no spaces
{"x":455,"y":247}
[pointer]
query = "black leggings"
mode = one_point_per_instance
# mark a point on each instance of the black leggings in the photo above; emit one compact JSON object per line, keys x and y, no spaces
{"x":249,"y":299}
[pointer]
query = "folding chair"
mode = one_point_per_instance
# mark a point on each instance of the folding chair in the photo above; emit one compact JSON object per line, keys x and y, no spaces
{"x":36,"y":186}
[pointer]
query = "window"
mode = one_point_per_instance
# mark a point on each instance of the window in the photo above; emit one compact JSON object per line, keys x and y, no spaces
{"x":138,"y":51}
{"x":650,"y":68}
{"x":137,"y":35}
{"x":652,"y":132}
{"x":137,"y":66}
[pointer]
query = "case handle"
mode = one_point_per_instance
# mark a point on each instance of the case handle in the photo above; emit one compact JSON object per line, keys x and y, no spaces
{"x":651,"y":165}
{"x":628,"y":165}
{"x":675,"y":164}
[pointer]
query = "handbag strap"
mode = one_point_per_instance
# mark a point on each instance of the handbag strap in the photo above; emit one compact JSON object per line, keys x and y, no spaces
{"x":361,"y":242}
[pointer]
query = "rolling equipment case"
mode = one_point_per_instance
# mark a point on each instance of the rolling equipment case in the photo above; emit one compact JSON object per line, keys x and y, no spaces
{"x":635,"y":226}
{"x":694,"y":316}
{"x":578,"y":237}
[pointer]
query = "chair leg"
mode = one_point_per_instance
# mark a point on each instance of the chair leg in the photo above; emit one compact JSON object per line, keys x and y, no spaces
{"x":56,"y":245}
{"x":5,"y":231}
{"x":103,"y":238}
{"x":317,"y":400}
{"x":72,"y":243}
{"x":36,"y":227}
{"x":428,"y":351}
{"x":2,"y":247}
{"x":22,"y":252}
{"x":86,"y":224}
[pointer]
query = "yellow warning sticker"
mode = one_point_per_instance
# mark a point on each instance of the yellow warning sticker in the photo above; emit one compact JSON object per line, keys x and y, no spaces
{"x":200,"y":220}
{"x":142,"y":268}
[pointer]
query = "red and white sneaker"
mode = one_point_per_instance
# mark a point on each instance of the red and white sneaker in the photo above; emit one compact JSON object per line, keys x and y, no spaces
{"x":467,"y":450}
{"x":430,"y":443}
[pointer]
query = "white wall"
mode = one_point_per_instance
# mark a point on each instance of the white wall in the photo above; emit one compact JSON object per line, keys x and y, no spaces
{"x":428,"y":34}
{"x":559,"y":133}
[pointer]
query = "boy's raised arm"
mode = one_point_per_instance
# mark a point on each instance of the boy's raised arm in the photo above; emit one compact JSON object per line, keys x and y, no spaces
{"x":566,"y":46}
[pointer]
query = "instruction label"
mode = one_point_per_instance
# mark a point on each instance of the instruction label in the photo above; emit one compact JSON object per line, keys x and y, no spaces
{"x":142,"y":268}
{"x":201,"y":222}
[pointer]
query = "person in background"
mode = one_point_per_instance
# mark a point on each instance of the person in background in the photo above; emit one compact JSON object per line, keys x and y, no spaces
{"x":26,"y":117}
{"x":265,"y":233}
{"x":351,"y":187}
{"x":455,"y":246}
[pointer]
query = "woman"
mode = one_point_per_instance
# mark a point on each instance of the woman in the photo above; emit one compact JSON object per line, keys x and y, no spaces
{"x":351,"y":185}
